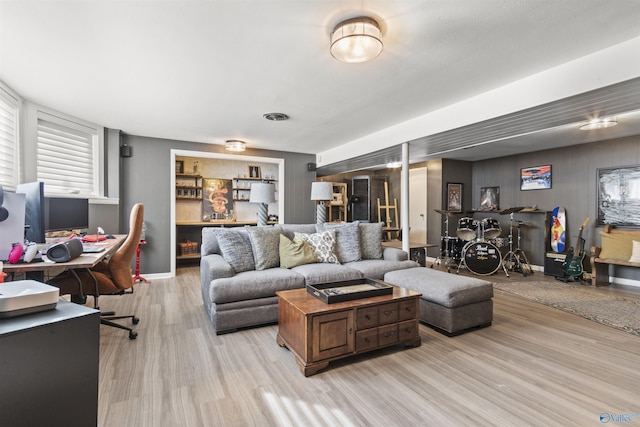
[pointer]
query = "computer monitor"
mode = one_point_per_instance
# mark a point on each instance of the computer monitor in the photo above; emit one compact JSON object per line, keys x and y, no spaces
{"x":12,"y":228}
{"x":34,"y":210}
{"x":62,"y":214}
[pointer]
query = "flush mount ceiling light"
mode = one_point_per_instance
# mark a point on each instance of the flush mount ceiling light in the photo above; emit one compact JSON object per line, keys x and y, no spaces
{"x":234,"y":145}
{"x":356,"y":40}
{"x":599,"y":124}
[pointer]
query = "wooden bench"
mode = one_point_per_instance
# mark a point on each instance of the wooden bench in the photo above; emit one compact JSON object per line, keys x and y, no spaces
{"x":616,"y":249}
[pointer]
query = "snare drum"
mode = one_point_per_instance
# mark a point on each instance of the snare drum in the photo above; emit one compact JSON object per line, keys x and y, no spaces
{"x":467,"y":228}
{"x":501,"y":242}
{"x":491,"y":228}
{"x":482,"y":258}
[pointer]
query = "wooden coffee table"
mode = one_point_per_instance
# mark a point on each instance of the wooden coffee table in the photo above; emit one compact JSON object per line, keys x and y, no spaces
{"x":318,"y":333}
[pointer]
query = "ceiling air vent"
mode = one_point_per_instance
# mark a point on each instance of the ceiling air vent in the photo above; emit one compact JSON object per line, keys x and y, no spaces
{"x":275,"y":117}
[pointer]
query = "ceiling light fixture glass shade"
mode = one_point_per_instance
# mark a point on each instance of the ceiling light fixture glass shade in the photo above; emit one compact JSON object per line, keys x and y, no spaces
{"x":234,"y":145}
{"x":356,"y":40}
{"x":599,"y":124}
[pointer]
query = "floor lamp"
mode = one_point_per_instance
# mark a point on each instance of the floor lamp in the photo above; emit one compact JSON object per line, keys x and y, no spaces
{"x":321,"y":191}
{"x":262,"y":193}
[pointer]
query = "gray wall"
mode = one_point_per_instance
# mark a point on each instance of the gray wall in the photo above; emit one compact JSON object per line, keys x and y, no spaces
{"x":145,"y":177}
{"x":573,"y":183}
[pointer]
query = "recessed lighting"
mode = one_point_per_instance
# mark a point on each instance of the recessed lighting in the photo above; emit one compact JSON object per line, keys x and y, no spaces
{"x":394,"y":165}
{"x":599,"y":124}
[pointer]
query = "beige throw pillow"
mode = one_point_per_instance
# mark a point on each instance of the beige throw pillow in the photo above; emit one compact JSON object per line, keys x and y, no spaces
{"x":295,"y":252}
{"x":635,"y":253}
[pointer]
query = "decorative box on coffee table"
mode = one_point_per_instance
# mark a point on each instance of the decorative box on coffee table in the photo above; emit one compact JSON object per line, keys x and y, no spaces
{"x":318,"y":333}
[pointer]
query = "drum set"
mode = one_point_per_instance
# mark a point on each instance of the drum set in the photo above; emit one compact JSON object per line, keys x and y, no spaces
{"x":477,"y":244}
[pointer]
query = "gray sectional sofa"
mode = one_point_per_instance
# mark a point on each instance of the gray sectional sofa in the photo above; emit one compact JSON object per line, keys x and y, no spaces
{"x":240,"y":268}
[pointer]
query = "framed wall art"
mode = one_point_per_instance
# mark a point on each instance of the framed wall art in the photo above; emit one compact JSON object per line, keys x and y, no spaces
{"x":489,"y":198}
{"x":535,"y":178}
{"x":217,"y":198}
{"x":180,"y":166}
{"x":454,"y":197}
{"x":619,"y":196}
{"x":254,"y":172}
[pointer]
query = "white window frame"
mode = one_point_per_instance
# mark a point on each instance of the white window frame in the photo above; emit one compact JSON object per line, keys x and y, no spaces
{"x":97,"y":142}
{"x":11,"y":162}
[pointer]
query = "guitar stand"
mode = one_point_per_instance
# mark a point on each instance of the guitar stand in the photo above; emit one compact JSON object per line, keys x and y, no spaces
{"x":566,"y":277}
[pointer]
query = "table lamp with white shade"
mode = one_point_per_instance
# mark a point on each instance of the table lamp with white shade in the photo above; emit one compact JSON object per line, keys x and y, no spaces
{"x":321,"y":191}
{"x":262,"y":193}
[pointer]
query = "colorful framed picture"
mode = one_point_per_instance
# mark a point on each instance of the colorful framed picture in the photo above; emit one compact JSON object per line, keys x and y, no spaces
{"x":489,"y":198}
{"x":535,"y":178}
{"x":454,"y":197}
{"x":619,"y":196}
{"x":254,"y":172}
{"x":217,"y":197}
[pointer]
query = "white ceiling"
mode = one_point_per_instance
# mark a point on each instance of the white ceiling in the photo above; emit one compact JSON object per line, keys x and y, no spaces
{"x":207,"y":70}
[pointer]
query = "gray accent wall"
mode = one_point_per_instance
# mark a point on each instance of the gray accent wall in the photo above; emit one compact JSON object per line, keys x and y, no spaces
{"x":145,"y":177}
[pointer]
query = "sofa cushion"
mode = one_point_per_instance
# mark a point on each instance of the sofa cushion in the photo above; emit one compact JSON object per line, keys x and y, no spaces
{"x":323,"y":245}
{"x":635,"y":253}
{"x":209,"y":241}
{"x":371,"y":240}
{"x":289,"y":230}
{"x":347,"y":240}
{"x":296,"y":252}
{"x":326,"y":273}
{"x":265,"y":242}
{"x":377,"y":268}
{"x":236,"y":249}
{"x":253,"y":284}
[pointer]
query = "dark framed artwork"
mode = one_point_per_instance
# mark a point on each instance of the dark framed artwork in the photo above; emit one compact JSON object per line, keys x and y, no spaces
{"x":535,"y":178}
{"x":489,"y":198}
{"x":217,"y":198}
{"x":254,"y":172}
{"x":179,"y":166}
{"x":454,"y":197}
{"x":618,"y":196}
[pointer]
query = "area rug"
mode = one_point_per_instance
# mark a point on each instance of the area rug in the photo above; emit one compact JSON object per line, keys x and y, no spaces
{"x":611,"y":310}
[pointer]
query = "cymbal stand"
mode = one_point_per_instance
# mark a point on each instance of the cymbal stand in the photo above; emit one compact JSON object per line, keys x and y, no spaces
{"x":516,"y":260}
{"x":447,"y":253}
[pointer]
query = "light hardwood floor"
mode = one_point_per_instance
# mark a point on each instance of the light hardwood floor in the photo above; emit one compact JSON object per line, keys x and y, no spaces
{"x":534,"y":366}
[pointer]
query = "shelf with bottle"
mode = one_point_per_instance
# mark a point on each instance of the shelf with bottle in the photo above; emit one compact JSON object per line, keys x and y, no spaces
{"x":188,"y":187}
{"x":242,"y":187}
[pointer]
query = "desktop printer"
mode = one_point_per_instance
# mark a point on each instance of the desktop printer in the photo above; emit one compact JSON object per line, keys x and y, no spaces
{"x":25,"y":297}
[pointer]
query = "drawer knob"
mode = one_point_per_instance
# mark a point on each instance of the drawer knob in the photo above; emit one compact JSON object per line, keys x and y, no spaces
{"x":388,"y":312}
{"x":368,"y":317}
{"x":388,"y":334}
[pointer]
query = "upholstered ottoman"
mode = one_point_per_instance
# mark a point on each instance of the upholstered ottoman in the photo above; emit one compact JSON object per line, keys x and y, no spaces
{"x":450,"y":303}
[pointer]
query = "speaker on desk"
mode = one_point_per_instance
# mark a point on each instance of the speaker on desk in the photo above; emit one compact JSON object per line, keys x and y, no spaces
{"x":65,"y":251}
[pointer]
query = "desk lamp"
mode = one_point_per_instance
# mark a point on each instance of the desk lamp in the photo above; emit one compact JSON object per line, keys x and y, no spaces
{"x":262,"y":193}
{"x":321,"y":191}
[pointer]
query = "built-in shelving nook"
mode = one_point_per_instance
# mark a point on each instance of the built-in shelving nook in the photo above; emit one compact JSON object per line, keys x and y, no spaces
{"x":213,"y":190}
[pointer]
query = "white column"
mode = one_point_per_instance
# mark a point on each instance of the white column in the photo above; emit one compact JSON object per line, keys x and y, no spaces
{"x":404,"y":199}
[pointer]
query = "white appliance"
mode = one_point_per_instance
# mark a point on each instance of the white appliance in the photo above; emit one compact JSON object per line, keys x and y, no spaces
{"x":25,"y":297}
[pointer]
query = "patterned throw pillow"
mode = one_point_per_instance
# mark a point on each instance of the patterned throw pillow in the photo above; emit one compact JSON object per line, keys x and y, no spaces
{"x":347,"y":240}
{"x":371,"y":240}
{"x":236,"y":249}
{"x":265,"y":242}
{"x":323,"y":245}
{"x":635,"y":252}
{"x":296,"y":252}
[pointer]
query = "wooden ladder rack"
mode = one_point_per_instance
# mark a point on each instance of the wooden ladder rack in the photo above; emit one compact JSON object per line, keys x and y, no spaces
{"x":391,"y":226}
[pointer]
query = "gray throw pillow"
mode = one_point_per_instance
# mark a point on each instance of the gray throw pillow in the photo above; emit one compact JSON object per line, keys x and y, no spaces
{"x":371,"y":240}
{"x":265,"y":242}
{"x":236,"y":249}
{"x":347,"y":240}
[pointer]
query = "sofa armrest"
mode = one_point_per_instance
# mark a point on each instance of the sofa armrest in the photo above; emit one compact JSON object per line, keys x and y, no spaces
{"x":214,"y":267}
{"x":394,"y":254}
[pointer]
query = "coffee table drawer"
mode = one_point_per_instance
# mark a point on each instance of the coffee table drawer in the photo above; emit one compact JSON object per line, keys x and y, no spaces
{"x":366,"y":339}
{"x":407,"y":330}
{"x":388,"y":334}
{"x":366,"y":318}
{"x":388,"y":313}
{"x":408,"y":309}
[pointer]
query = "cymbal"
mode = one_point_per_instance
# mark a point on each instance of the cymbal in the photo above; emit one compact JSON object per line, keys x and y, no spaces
{"x":511,"y":210}
{"x":443,"y":212}
{"x":519,"y":224}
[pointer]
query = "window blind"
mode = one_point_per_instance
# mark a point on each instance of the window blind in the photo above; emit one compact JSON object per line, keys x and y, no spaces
{"x":66,"y":156}
{"x":8,"y":140}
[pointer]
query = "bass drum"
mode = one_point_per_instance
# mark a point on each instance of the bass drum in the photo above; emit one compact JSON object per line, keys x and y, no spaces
{"x":482,"y":258}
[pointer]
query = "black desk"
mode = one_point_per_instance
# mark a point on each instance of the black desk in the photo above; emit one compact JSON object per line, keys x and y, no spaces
{"x":49,"y":367}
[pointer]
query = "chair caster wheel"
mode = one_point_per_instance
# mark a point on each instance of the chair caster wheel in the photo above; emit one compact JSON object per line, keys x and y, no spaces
{"x":133,"y":335}
{"x":135,"y":320}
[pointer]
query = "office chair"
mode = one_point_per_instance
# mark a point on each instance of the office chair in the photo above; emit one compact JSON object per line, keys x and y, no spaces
{"x":109,"y":277}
